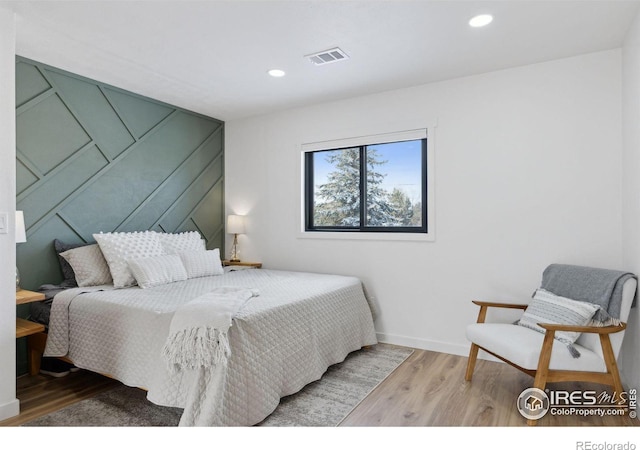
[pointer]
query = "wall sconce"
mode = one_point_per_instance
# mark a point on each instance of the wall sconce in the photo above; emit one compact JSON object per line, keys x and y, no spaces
{"x":21,"y":236}
{"x":235,"y":226}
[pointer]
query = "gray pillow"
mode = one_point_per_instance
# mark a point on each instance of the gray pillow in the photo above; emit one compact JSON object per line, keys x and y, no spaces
{"x":67,"y":271}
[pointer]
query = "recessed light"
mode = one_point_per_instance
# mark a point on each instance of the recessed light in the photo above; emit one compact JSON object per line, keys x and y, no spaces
{"x":481,"y":20}
{"x":277,"y":73}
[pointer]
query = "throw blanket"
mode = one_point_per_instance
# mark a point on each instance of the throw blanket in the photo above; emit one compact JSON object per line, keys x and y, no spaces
{"x":198,"y":343}
{"x":601,"y":287}
{"x":198,"y":330}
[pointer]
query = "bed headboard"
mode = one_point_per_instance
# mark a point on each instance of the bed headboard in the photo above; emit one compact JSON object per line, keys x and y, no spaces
{"x":91,"y":157}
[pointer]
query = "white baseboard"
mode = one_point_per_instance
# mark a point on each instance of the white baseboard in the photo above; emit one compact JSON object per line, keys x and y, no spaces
{"x":10,"y":409}
{"x":424,"y":344}
{"x":434,"y":346}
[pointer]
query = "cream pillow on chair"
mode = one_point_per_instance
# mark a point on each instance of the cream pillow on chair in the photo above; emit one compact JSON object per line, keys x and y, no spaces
{"x":546,"y":307}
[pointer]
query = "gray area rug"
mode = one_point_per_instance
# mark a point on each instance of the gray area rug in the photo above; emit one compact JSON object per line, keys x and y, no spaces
{"x":325,"y":402}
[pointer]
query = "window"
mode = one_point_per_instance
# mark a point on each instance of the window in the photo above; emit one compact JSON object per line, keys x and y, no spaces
{"x":375,"y":187}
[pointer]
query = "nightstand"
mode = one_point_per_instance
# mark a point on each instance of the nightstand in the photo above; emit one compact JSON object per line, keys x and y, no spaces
{"x":23,"y":296}
{"x":26,"y":328}
{"x":255,"y":265}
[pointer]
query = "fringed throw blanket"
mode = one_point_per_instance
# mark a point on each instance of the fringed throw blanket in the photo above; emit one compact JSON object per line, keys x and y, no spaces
{"x":198,"y":343}
{"x":601,"y":287}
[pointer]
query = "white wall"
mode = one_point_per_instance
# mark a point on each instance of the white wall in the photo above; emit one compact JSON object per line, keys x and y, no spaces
{"x":629,"y":360}
{"x":9,"y":406}
{"x":528,"y":172}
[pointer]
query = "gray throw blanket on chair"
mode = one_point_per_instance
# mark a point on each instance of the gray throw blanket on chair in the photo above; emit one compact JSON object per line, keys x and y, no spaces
{"x":602,"y":287}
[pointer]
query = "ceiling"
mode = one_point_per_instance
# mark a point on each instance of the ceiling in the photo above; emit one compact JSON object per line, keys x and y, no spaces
{"x":212,"y":56}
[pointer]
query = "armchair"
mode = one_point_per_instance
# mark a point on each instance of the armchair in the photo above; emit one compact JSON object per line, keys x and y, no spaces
{"x":540,"y":353}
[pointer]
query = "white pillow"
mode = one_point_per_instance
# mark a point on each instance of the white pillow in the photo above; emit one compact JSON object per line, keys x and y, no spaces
{"x":157,"y":270}
{"x":546,"y":307}
{"x":174,"y":243}
{"x":89,"y":266}
{"x":118,"y":248}
{"x":202,"y":263}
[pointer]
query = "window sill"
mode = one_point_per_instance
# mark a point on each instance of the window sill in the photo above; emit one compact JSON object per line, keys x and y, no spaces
{"x":358,"y":236}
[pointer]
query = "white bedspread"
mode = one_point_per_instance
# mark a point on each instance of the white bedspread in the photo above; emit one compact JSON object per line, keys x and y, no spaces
{"x":281,"y":340}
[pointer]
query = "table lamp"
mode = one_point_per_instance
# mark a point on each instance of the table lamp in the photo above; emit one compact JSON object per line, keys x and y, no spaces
{"x":21,"y":236}
{"x":235,"y":226}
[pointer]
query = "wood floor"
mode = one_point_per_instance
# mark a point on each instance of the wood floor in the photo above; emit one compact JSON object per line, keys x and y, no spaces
{"x":428,"y":389}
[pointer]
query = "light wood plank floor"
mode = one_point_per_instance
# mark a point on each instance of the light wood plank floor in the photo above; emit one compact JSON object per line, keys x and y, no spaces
{"x":428,"y":389}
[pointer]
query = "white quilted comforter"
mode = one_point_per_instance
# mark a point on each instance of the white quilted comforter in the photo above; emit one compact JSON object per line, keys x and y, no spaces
{"x":285,"y":338}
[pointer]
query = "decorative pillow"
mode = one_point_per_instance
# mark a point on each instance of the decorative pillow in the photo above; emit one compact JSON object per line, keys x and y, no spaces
{"x":118,"y":248}
{"x":174,"y":243}
{"x":202,"y":263}
{"x":88,"y":264}
{"x":67,"y":270}
{"x":546,"y":307}
{"x":157,"y":270}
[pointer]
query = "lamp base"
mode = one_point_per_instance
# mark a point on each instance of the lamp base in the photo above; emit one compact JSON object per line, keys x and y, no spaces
{"x":17,"y":279}
{"x":234,"y":250}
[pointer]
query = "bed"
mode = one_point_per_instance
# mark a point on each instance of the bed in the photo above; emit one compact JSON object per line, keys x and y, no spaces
{"x":284,"y":337}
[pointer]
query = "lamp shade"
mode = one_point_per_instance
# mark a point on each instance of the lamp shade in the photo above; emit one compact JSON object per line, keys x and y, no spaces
{"x":235,"y":224}
{"x":21,"y":235}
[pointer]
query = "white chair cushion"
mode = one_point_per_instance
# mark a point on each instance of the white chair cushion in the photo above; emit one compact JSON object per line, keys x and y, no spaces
{"x":522,"y":346}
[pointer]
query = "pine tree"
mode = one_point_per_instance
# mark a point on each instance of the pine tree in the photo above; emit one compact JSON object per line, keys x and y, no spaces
{"x":416,"y":219}
{"x":338,"y":200}
{"x":401,"y":207}
{"x":379,"y":211}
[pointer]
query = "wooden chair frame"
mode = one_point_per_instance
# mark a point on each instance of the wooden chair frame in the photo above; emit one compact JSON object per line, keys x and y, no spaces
{"x":543,"y":375}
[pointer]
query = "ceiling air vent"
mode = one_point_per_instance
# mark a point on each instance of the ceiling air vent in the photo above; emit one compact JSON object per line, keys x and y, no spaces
{"x":327,"y":56}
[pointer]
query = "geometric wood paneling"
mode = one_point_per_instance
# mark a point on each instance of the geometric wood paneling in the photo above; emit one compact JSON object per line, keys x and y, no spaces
{"x":32,"y":83}
{"x":47,"y":134}
{"x":92,"y":157}
{"x":88,"y":101}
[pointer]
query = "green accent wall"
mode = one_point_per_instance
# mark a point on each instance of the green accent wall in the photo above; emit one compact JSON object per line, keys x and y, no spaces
{"x":91,"y":157}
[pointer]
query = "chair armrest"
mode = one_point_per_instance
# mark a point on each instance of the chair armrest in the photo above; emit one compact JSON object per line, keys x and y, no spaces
{"x":482,"y":314}
{"x":500,"y":305}
{"x":585,"y":329}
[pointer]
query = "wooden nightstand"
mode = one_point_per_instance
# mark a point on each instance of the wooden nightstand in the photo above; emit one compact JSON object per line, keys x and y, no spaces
{"x":23,"y":296}
{"x":255,"y":265}
{"x":26,"y":328}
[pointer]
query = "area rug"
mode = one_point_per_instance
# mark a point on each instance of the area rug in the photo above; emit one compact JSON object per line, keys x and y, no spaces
{"x":325,"y":402}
